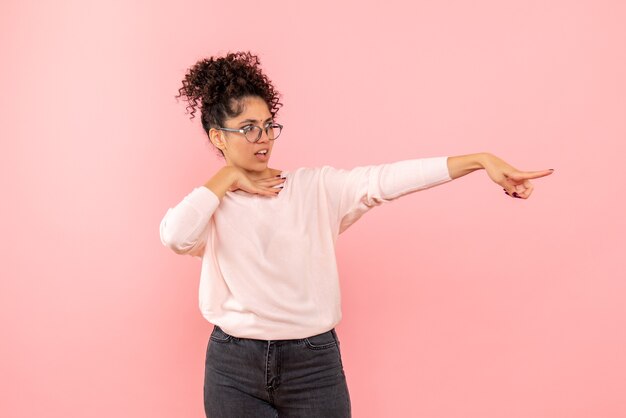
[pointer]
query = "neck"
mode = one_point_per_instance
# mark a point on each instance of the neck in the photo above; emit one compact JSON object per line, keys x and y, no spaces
{"x":257,"y":175}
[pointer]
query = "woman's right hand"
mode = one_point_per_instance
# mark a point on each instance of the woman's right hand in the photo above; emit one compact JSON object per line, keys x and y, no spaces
{"x":230,"y":178}
{"x":264,"y":187}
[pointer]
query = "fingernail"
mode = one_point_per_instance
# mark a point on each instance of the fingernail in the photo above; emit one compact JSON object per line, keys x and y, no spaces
{"x":278,"y":175}
{"x":515,"y":194}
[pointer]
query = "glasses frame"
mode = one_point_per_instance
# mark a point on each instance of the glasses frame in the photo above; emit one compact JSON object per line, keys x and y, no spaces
{"x":260,"y":130}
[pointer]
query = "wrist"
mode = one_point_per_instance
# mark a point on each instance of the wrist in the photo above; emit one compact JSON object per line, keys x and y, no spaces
{"x":461,"y":165}
{"x":230,"y":173}
{"x":483,"y":159}
{"x":223,"y":180}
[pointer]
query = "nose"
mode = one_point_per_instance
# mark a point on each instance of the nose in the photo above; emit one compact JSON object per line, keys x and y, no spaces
{"x":264,"y":137}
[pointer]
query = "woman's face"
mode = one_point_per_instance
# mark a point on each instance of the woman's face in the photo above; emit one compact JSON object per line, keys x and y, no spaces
{"x":238,"y":151}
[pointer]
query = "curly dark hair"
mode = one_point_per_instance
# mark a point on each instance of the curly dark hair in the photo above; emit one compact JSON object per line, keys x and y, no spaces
{"x":218,"y":83}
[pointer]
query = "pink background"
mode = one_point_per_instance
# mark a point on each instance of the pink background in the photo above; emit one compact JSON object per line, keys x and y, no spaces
{"x":458,"y":301}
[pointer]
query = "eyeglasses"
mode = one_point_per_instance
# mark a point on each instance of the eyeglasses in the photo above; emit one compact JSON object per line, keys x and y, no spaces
{"x":253,"y":133}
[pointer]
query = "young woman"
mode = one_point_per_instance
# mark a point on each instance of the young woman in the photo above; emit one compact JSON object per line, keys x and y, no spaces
{"x":266,"y":238}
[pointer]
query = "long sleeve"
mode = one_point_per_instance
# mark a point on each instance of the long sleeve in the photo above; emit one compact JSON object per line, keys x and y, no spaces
{"x":184,"y":227}
{"x":268,"y":265}
{"x":353,"y":192}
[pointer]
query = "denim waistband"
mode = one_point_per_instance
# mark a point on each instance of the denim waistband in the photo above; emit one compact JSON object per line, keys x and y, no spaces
{"x":219,"y":329}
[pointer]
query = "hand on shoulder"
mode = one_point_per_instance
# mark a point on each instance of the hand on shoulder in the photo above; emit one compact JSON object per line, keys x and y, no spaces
{"x":230,"y":178}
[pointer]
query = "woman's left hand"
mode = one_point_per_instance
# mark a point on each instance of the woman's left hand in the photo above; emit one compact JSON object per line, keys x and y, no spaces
{"x":515,"y":183}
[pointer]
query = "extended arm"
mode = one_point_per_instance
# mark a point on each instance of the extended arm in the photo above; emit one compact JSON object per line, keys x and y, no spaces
{"x":515,"y":183}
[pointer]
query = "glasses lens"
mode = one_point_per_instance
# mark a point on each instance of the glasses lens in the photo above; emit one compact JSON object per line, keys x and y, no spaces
{"x":273,"y":131}
{"x":253,"y":134}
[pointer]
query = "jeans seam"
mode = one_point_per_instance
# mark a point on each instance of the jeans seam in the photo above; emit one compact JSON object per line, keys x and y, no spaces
{"x":220,"y":340}
{"x":267,"y":364}
{"x":319,"y":347}
{"x":268,"y":387}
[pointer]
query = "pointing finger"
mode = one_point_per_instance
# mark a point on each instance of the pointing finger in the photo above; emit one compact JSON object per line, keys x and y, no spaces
{"x":525,"y":175}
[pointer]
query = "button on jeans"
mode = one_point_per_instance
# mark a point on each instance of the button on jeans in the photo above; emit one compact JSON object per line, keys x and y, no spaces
{"x":249,"y":378}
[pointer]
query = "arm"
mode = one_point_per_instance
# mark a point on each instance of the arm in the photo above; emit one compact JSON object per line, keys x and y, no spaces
{"x":514,"y":182}
{"x":184,"y":228}
{"x":351,"y":193}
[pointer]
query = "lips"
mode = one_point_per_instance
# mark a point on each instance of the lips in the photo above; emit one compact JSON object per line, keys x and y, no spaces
{"x":262,"y":155}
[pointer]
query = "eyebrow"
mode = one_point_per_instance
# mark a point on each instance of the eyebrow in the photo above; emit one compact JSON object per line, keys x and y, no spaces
{"x":254,"y":120}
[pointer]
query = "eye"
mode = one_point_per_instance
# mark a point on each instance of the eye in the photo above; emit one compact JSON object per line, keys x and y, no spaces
{"x":247,"y":128}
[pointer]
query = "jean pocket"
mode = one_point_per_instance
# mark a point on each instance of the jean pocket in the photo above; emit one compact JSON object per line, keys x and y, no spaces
{"x":218,"y":335}
{"x":322,"y":341}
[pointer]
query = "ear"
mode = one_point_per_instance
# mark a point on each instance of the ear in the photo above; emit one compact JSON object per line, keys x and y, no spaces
{"x":217,"y":139}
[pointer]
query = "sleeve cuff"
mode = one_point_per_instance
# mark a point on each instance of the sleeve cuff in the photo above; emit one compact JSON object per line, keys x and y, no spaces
{"x":437,"y":167}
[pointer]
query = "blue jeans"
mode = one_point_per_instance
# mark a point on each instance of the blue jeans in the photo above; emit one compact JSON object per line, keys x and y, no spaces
{"x":252,"y":378}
